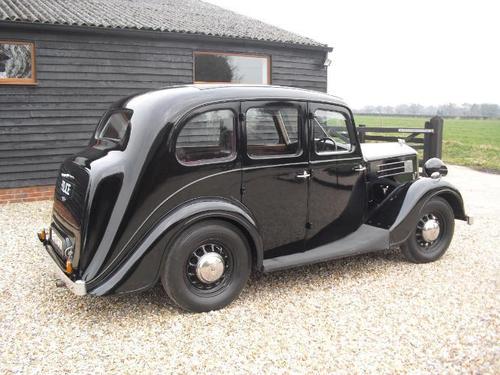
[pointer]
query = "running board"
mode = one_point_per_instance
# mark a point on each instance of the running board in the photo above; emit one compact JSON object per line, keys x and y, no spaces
{"x":364,"y":240}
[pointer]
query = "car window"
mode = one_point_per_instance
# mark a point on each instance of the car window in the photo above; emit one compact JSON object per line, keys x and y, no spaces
{"x":207,"y":137}
{"x":272,"y":130}
{"x":331,"y":133}
{"x":115,"y":126}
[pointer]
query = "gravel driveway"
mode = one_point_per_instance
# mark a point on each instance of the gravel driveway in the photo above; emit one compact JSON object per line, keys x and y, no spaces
{"x":373,"y":313}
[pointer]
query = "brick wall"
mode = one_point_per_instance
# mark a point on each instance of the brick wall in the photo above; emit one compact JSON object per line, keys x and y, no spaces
{"x":27,"y":194}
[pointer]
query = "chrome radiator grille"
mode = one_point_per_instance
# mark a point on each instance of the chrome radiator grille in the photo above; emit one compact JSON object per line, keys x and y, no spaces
{"x":395,"y":168}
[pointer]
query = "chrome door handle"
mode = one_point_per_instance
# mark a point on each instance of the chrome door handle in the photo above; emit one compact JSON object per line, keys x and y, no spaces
{"x":304,"y":174}
{"x":359,"y":168}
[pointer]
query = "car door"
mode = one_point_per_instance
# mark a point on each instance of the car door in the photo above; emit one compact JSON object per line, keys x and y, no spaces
{"x":337,"y":184}
{"x":275,"y":172}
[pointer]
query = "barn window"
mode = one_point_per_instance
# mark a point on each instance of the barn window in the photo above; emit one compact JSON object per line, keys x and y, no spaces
{"x":17,"y":62}
{"x":231,"y":68}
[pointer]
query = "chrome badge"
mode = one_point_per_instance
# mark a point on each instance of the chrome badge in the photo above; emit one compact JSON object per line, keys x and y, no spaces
{"x":66,"y":187}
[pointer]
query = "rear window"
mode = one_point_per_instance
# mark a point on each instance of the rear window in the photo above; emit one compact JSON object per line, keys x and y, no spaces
{"x":115,"y":126}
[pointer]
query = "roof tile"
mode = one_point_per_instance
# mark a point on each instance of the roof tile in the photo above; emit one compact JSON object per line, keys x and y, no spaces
{"x":176,"y":16}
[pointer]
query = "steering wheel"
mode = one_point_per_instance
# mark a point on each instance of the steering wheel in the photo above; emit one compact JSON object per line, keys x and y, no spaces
{"x":322,"y":143}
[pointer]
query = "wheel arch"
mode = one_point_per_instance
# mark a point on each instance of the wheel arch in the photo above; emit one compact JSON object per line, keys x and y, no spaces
{"x":418,"y":194}
{"x":254,"y":242}
{"x":456,"y":203}
{"x":247,"y":228}
{"x":153,"y":248}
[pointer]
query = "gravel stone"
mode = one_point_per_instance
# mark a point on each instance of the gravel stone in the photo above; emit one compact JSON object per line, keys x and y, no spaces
{"x":372,"y":313}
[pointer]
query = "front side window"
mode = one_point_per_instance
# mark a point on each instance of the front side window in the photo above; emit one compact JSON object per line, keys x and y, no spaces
{"x":331,"y":133}
{"x":226,"y":68}
{"x":272,"y":130}
{"x":17,"y":62}
{"x":207,"y":137}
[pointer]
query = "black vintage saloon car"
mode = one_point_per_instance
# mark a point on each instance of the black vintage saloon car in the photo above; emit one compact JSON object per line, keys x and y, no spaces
{"x":197,"y":186}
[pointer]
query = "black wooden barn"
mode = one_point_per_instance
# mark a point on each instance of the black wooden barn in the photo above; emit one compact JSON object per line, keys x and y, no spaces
{"x":62,"y":62}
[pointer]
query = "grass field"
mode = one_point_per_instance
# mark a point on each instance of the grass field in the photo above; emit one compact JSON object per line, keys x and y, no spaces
{"x":469,"y":142}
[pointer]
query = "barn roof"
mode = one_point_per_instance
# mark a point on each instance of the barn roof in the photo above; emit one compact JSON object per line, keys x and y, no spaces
{"x":172,"y":16}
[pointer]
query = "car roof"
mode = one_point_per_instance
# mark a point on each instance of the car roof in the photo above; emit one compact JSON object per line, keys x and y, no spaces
{"x":266,"y":90}
{"x":206,"y":93}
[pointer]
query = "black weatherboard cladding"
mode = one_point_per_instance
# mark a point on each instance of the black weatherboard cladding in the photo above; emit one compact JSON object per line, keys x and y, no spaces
{"x":79,"y":74}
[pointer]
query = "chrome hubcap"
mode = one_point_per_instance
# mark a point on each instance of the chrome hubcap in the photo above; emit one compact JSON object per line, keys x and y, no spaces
{"x":210,"y":268}
{"x":428,"y":230}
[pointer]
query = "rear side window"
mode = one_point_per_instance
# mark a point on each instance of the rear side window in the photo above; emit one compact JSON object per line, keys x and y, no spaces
{"x":115,"y":126}
{"x":207,"y":137}
{"x":272,"y":130}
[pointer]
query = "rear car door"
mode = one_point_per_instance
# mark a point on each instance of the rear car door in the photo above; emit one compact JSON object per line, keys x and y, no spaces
{"x":337,"y":189}
{"x":275,"y":172}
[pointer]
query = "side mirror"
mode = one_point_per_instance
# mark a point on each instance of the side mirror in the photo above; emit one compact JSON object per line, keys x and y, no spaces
{"x":433,"y":166}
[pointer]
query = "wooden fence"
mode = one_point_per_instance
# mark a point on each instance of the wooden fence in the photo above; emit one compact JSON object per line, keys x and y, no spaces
{"x":429,"y":139}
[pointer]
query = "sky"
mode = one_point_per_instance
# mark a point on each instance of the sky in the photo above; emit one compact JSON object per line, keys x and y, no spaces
{"x":393,"y":52}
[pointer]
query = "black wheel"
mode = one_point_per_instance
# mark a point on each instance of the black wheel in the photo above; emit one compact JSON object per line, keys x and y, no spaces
{"x":207,"y":266}
{"x":432,"y":234}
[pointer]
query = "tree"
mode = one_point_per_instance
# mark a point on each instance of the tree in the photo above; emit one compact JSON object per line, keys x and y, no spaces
{"x":213,"y":68}
{"x":450,"y":109}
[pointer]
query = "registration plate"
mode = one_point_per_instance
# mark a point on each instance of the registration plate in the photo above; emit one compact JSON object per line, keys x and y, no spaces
{"x":58,"y":241}
{"x":66,"y":188}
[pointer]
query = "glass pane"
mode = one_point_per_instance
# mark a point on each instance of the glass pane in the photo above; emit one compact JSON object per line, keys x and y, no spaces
{"x":291,"y":121}
{"x":272,"y":130}
{"x":330,"y":132}
{"x":207,"y":137}
{"x":15,"y":61}
{"x":115,"y":127}
{"x":231,"y":68}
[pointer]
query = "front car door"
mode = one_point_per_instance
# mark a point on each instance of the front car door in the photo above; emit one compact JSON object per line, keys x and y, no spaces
{"x":275,"y":172}
{"x":337,"y":189}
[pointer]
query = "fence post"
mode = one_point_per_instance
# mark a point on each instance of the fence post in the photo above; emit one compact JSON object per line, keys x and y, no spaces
{"x":433,"y":143}
{"x":361,"y":134}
